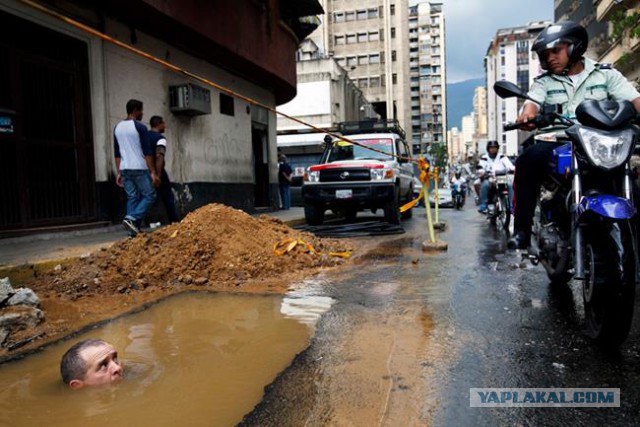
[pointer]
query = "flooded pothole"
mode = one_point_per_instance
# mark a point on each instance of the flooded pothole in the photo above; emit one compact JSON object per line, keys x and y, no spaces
{"x":193,"y":359}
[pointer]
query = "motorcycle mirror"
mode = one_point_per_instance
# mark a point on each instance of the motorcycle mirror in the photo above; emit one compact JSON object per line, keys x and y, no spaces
{"x":506,"y":89}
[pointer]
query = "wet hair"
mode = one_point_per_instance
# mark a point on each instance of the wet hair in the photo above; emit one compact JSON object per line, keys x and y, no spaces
{"x":72,"y":365}
{"x":155,"y":121}
{"x":133,"y":105}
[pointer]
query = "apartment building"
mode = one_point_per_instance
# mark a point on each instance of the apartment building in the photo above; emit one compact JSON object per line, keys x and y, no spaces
{"x":606,"y":43}
{"x":509,"y":57}
{"x":480,"y":122}
{"x":370,"y":39}
{"x":623,"y":50}
{"x":427,"y":75}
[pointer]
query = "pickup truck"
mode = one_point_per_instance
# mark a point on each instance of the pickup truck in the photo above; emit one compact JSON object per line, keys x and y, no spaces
{"x":352,"y":178}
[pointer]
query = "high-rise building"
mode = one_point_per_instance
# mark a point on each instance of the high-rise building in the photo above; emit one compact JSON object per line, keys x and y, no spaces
{"x":370,"y":39}
{"x":509,"y":57}
{"x":427,"y":75}
{"x":480,"y":122}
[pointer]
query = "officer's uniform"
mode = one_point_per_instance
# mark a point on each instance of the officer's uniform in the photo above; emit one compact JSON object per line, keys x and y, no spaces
{"x":600,"y":82}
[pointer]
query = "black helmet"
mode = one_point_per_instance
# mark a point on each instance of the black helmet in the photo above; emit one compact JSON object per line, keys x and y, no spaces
{"x":492,"y":143}
{"x":561,"y":32}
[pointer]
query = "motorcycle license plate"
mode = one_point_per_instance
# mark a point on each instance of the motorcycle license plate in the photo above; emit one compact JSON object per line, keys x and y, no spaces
{"x":344,"y":194}
{"x":501,"y":179}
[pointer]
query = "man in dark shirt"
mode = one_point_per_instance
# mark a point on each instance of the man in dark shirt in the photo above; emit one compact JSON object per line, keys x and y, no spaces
{"x":159,"y":147}
{"x":284,"y":181}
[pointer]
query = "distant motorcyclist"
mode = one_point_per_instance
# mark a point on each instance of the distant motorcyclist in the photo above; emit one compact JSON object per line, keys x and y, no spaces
{"x":569,"y":79}
{"x":492,"y":162}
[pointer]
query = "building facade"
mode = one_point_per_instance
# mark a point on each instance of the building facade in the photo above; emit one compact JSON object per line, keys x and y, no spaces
{"x":370,"y":39}
{"x":65,"y":90}
{"x":509,"y":57}
{"x":428,"y":75}
{"x":623,"y":49}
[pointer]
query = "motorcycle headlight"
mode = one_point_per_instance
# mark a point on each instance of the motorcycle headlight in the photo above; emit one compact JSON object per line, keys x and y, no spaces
{"x":607,"y":149}
{"x":380,"y":174}
{"x":312,"y":176}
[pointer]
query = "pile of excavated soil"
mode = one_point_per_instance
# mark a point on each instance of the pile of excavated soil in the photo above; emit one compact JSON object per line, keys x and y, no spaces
{"x":214,"y":248}
{"x":213,"y":244}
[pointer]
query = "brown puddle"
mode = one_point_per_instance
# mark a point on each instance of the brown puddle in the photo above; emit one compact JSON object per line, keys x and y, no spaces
{"x":191,"y":360}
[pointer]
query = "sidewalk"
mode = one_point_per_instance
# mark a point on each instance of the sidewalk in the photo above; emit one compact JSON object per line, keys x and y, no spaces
{"x":24,"y":256}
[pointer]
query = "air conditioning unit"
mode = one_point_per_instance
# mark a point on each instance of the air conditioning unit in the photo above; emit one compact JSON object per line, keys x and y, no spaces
{"x":189,"y":100}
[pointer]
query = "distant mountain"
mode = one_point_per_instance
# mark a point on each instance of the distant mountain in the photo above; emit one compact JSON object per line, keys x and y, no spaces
{"x":460,"y":101}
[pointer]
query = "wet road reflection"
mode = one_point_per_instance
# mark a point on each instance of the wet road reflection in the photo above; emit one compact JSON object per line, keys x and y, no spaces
{"x":411,"y":333}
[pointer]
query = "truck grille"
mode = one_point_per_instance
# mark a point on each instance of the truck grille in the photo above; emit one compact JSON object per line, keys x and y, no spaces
{"x":345,"y":175}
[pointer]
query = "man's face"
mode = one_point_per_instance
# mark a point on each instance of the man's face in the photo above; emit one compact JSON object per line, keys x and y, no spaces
{"x":557,"y":58}
{"x":102,"y":364}
{"x":138,"y":114}
{"x":161,"y":127}
{"x":492,"y":151}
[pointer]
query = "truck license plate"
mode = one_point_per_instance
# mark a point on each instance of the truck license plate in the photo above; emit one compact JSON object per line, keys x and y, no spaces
{"x":344,"y":194}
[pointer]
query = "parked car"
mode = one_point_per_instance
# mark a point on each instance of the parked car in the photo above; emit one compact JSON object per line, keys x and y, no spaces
{"x":352,"y":178}
{"x":444,"y":198}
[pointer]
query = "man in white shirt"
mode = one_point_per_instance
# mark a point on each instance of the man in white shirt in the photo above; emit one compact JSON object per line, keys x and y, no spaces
{"x":135,"y":164}
{"x":493,"y":162}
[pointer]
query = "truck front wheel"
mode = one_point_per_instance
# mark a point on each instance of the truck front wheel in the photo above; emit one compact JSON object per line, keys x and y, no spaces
{"x":313,"y":214}
{"x":392,"y":209}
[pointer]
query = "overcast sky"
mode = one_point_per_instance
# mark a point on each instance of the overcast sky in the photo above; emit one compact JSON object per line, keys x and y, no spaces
{"x":471,"y":24}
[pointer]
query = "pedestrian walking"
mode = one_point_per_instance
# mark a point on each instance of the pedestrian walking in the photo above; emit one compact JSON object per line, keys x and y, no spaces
{"x":159,"y":146}
{"x":135,"y":165}
{"x":284,"y":181}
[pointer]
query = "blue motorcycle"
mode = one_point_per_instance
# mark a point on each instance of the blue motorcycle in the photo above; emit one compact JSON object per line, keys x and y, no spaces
{"x":585,"y":224}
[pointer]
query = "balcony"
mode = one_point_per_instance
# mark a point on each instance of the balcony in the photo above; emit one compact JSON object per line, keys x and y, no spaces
{"x":605,"y":8}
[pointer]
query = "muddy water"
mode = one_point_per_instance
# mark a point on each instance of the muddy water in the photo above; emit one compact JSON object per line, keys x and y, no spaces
{"x":192,"y":360}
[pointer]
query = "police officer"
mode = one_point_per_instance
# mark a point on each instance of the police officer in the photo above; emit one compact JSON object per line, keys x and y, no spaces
{"x":570,"y":78}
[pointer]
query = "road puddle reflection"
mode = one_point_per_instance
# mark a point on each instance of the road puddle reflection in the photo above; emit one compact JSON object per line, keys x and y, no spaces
{"x":196,"y":359}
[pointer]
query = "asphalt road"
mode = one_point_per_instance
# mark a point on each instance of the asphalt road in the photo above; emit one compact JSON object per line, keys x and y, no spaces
{"x":410,"y":333}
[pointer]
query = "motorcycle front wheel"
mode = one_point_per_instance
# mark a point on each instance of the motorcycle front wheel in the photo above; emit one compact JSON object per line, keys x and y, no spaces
{"x":609,"y":285}
{"x":504,"y":212}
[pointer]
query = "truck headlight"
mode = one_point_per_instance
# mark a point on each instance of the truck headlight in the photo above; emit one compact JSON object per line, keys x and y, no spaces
{"x":312,"y":176}
{"x":379,"y":174}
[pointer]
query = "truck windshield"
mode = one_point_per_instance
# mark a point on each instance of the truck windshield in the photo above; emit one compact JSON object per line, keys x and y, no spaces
{"x":343,"y":150}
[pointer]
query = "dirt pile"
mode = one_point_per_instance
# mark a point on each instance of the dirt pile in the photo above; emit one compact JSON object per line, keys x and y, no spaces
{"x":212,"y":246}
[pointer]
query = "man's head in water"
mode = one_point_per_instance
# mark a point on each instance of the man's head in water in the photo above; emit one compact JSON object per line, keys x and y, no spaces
{"x":89,"y":363}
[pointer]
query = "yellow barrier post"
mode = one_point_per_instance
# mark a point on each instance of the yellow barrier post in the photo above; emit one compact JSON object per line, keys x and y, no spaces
{"x":432,"y":244}
{"x":427,"y":204}
{"x":436,"y":178}
{"x":438,"y":225}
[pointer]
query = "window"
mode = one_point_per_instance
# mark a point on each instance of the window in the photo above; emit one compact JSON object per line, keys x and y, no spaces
{"x":393,"y":56}
{"x":341,"y":61}
{"x":363,"y":60}
{"x":351,"y":61}
{"x":393,"y":32}
{"x":351,"y":38}
{"x":362,"y":37}
{"x":374,"y":58}
{"x":339,"y":39}
{"x":394,"y":78}
{"x":392,"y":9}
{"x":363,"y":83}
{"x":374,"y":36}
{"x":338,"y":17}
{"x":350,"y":16}
{"x":226,"y":105}
{"x":361,"y":15}
{"x":374,"y":82}
{"x":373,"y":13}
